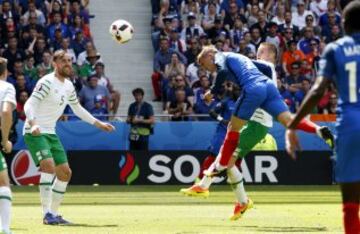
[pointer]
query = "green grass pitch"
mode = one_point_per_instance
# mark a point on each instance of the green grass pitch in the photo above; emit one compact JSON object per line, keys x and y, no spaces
{"x":162,"y":209}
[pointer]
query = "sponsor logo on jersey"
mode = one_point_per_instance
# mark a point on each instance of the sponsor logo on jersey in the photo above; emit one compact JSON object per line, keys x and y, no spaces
{"x":23,"y":169}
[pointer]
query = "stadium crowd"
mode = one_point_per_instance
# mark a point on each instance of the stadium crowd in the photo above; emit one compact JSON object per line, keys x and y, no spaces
{"x":299,"y":29}
{"x":31,"y":30}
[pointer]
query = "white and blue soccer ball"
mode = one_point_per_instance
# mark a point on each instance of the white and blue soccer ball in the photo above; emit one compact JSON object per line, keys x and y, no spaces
{"x":121,"y":31}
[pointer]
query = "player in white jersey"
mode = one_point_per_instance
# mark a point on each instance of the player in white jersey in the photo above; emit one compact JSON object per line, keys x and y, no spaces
{"x":44,"y":107}
{"x":7,"y":105}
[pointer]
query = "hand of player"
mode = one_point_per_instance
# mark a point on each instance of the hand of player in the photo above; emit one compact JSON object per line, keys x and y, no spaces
{"x":104,"y":126}
{"x":291,"y":143}
{"x":6,"y":146}
{"x":35,"y":130}
{"x":208,"y":97}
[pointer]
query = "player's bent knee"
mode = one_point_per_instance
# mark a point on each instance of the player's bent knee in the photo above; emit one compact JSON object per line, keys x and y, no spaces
{"x":64,"y":173}
{"x":47,"y":166}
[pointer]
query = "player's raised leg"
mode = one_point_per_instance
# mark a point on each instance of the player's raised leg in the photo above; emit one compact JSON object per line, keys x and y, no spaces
{"x":275,"y":106}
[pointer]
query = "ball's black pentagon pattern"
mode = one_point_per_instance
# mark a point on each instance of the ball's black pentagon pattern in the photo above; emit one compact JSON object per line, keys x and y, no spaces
{"x":123,"y":27}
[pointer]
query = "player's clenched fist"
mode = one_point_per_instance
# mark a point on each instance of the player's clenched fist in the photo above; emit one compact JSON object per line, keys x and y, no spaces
{"x":6,"y":146}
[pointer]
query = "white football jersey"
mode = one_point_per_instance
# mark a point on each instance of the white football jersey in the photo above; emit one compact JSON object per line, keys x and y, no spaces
{"x":260,"y":115}
{"x":7,"y":94}
{"x":53,"y":96}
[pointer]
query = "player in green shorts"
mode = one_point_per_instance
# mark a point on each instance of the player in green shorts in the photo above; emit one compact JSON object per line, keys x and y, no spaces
{"x":251,"y":134}
{"x":7,"y":105}
{"x":44,"y":107}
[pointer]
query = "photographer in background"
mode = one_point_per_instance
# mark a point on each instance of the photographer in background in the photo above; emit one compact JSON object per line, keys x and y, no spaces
{"x":141,"y":120}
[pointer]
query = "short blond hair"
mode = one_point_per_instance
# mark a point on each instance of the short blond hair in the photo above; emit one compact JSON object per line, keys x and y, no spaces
{"x":206,"y":50}
{"x":272,"y":48}
{"x":59,"y":54}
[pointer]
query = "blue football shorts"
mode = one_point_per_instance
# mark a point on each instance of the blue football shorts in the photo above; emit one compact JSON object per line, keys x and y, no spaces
{"x":262,"y":94}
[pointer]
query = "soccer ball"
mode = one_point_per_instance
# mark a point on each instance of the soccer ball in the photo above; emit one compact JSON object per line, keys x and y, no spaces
{"x":121,"y":31}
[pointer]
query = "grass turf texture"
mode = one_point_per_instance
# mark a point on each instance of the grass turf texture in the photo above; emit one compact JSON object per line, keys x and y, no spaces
{"x":162,"y":209}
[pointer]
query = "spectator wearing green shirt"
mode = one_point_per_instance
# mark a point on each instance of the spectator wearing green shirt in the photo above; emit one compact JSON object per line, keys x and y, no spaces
{"x":46,"y":64}
{"x":29,"y":68}
{"x":88,"y":68}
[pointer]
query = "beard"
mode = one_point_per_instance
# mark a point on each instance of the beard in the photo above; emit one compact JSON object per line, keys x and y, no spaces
{"x":65,"y":71}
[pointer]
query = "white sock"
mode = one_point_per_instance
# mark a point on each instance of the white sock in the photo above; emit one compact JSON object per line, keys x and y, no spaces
{"x":5,"y":208}
{"x":46,"y":180}
{"x":58,"y":191}
{"x":220,"y":167}
{"x":236,"y":180}
{"x":206,"y":181}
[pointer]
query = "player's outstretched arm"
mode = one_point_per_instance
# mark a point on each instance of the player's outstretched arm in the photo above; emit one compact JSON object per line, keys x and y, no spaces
{"x":310,"y":101}
{"x":104,"y":126}
{"x":87,"y":117}
{"x":6,"y":122}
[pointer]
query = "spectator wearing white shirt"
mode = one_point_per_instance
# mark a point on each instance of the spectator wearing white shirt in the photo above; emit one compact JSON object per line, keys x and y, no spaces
{"x":105,"y":81}
{"x":65,"y":45}
{"x":82,"y":56}
{"x":192,"y":30}
{"x":40,"y":15}
{"x":318,"y":7}
{"x":279,"y":18}
{"x":298,"y":17}
{"x":208,"y":20}
{"x":192,"y":74}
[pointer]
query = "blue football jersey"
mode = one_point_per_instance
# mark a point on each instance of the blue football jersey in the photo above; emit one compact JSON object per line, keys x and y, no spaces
{"x":340,"y":62}
{"x":225,"y":109}
{"x":241,"y":67}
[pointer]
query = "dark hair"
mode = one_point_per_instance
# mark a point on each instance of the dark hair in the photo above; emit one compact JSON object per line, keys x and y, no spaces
{"x":138,"y":91}
{"x":350,"y":15}
{"x":308,"y":80}
{"x":100,"y":64}
{"x":3,"y":65}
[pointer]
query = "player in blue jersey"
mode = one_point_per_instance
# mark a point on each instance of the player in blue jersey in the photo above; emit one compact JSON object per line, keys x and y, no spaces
{"x":222,"y":112}
{"x":252,"y":133}
{"x":258,"y":91}
{"x":340,"y":63}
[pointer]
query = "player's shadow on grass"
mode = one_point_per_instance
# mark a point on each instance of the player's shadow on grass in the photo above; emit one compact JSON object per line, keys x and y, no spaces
{"x":287,"y":229}
{"x":90,"y":225}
